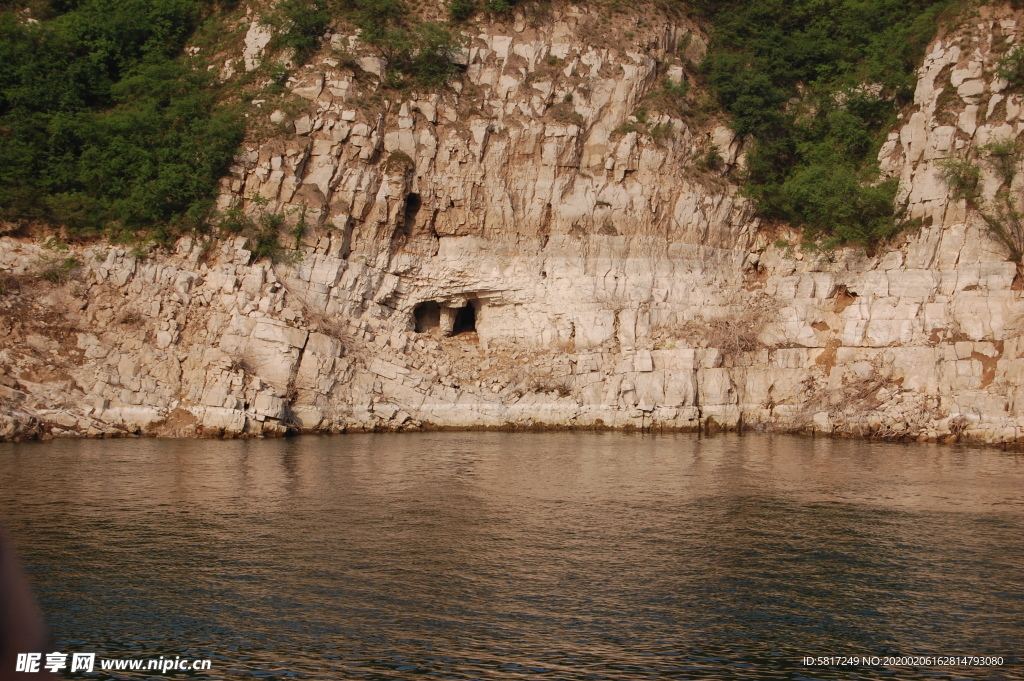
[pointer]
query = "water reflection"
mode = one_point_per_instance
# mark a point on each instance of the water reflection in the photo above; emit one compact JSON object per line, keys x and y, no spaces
{"x":494,"y":556}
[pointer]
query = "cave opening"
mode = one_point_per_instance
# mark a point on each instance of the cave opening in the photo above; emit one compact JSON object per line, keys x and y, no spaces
{"x":465,"y":320}
{"x":413,"y":203}
{"x":426,"y":316}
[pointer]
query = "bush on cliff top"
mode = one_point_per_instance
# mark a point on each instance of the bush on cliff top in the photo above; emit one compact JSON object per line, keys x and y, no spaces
{"x":818,"y":84}
{"x":299,"y":25}
{"x":417,"y":52}
{"x":103,"y":125}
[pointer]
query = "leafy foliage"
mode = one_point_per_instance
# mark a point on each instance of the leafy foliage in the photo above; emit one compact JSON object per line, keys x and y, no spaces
{"x":102,"y":124}
{"x":1004,"y":157}
{"x":300,"y":25}
{"x":499,"y":6}
{"x":430,"y":62}
{"x":399,"y":162}
{"x":1003,"y":213}
{"x":817,"y":83}
{"x":461,"y":10}
{"x":263,"y":231}
{"x":963,"y":178}
{"x":418,"y":52}
{"x":1011,"y":67}
{"x":711,"y":160}
{"x":55,"y":265}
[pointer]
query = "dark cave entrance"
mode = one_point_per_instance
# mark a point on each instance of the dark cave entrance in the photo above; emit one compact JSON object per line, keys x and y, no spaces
{"x":413,"y":203}
{"x":426,"y":316}
{"x":465,"y":320}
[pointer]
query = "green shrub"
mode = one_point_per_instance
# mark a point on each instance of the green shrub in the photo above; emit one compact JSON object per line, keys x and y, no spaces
{"x":461,"y":10}
{"x":962,"y":177}
{"x":1011,"y":67}
{"x":300,"y":24}
{"x":625,"y":129}
{"x":671,"y":99}
{"x":1003,"y":156}
{"x":417,"y":52}
{"x":262,"y":230}
{"x":57,"y":269}
{"x":1003,"y":213}
{"x":430,"y":62}
{"x":265,"y":239}
{"x":103,"y":125}
{"x":399,"y":162}
{"x":277,"y":75}
{"x":377,"y":17}
{"x":676,"y":91}
{"x":235,"y":221}
{"x":301,"y":227}
{"x":498,"y":6}
{"x":818,"y":83}
{"x":711,"y":161}
{"x":662,"y":131}
{"x":266,"y":244}
{"x":833,"y":204}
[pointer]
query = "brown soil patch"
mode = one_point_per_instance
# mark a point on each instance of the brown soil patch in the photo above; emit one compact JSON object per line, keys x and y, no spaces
{"x":988,"y":364}
{"x":844,"y":299}
{"x":180,"y":423}
{"x":828,"y":357}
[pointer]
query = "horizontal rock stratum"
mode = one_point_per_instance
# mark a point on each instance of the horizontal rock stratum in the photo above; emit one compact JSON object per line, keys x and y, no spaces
{"x":508,"y":254}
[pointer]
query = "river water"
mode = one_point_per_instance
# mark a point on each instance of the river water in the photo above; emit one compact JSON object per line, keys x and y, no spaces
{"x":525,"y":556}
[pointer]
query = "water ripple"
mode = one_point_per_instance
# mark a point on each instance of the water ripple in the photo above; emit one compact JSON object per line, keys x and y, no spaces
{"x":524,"y":556}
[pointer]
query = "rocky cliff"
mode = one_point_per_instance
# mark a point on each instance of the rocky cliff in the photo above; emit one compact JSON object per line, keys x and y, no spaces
{"x":527,"y":249}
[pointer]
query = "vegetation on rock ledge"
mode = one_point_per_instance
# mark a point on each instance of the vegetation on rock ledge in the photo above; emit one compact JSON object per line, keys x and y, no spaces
{"x":416,"y":52}
{"x":818,"y":84}
{"x":1003,"y":213}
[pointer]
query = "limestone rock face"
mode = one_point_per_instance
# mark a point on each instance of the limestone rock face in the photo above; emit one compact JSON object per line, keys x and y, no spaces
{"x":256,"y":39}
{"x":521,"y":249}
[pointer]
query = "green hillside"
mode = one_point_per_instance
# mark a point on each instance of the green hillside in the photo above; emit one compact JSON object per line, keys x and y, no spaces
{"x":106,"y":126}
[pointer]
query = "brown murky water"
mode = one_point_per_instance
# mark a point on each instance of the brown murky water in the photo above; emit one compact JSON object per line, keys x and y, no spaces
{"x":525,"y":556}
